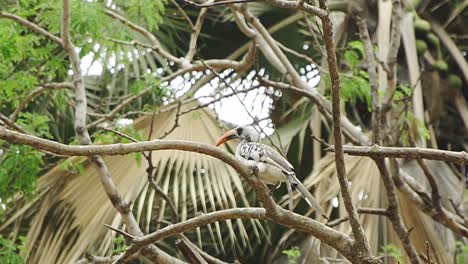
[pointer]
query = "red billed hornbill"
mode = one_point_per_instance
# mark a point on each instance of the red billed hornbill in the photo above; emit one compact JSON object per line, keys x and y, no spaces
{"x":272,"y":168}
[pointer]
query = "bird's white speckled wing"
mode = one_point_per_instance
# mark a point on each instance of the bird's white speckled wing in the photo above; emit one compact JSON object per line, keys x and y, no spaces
{"x":264,"y":153}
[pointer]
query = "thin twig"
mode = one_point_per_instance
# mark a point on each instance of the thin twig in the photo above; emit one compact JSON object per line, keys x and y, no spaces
{"x":176,"y":122}
{"x":190,"y":254}
{"x":184,"y":15}
{"x":218,"y":3}
{"x":376,"y":151}
{"x":121,"y":232}
{"x":36,"y":92}
{"x":373,"y":78}
{"x":195,"y":33}
{"x":121,"y":134}
{"x":361,"y":210}
{"x":255,"y":119}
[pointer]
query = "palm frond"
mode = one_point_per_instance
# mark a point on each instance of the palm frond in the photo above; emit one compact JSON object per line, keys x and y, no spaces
{"x":68,"y":217}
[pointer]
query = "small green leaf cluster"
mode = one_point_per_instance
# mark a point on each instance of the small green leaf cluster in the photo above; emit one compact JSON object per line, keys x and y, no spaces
{"x":293,"y":254}
{"x":19,"y":168}
{"x":119,"y":245}
{"x":35,"y":124}
{"x":145,"y":12}
{"x":10,"y":252}
{"x":401,"y":97}
{"x":394,"y":252}
{"x":72,"y":167}
{"x":355,"y":83}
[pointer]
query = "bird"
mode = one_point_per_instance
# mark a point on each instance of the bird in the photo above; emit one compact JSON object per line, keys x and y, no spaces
{"x":272,"y":168}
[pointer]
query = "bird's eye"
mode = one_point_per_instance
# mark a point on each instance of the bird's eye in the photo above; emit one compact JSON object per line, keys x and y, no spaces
{"x":239,"y":131}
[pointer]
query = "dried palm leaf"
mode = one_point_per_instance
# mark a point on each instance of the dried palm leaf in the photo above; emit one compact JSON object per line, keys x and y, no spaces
{"x":67,"y":219}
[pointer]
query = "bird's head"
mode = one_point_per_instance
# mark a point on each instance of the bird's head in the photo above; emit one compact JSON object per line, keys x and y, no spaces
{"x":245,"y":133}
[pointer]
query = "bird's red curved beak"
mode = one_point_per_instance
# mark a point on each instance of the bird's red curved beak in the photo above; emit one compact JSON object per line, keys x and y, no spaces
{"x":231,"y":134}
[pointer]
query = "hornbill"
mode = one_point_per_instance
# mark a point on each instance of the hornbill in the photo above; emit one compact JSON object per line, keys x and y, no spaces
{"x":272,"y":168}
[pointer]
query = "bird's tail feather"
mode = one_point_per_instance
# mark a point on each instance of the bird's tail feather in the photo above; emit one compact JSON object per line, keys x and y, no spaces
{"x":307,"y":195}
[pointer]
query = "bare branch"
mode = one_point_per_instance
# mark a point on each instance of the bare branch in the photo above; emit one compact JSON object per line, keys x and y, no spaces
{"x":373,"y":78}
{"x":195,"y":33}
{"x":394,"y":212}
{"x":299,"y":5}
{"x":202,"y":220}
{"x":336,"y":239}
{"x":376,"y":151}
{"x":246,"y":62}
{"x":84,"y":139}
{"x":391,"y":63}
{"x":192,"y":255}
{"x":422,"y":201}
{"x":8,"y":122}
{"x":176,"y":122}
{"x":360,"y":239}
{"x":352,"y":132}
{"x":361,"y":210}
{"x":184,"y":15}
{"x":121,"y":232}
{"x":121,"y":134}
{"x":158,"y":190}
{"x":435,"y":194}
{"x":218,"y":3}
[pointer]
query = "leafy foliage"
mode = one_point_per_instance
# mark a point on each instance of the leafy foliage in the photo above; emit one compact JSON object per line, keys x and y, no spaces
{"x":394,"y":252}
{"x":35,"y":124}
{"x":10,"y":252}
{"x":20,"y":167}
{"x":293,"y":254}
{"x":72,"y":167}
{"x":355,"y":84}
{"x":146,"y":12}
{"x":119,"y":245}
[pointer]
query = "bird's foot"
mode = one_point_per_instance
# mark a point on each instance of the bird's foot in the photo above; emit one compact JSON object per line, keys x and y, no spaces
{"x":274,"y":188}
{"x":254,"y":169}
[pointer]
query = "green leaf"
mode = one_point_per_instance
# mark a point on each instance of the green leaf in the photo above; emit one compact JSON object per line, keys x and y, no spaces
{"x":354,"y":88}
{"x":19,"y":168}
{"x":357,"y":45}
{"x":394,"y":252}
{"x":293,"y":254}
{"x":352,"y":58}
{"x":35,"y":124}
{"x":119,"y":245}
{"x":73,"y":168}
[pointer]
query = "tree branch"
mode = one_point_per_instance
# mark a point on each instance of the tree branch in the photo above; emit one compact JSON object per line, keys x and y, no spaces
{"x":376,"y":151}
{"x":218,"y":3}
{"x":352,"y":132}
{"x":361,"y":243}
{"x":341,"y":242}
{"x":84,"y":139}
{"x":373,"y":77}
{"x":195,"y":33}
{"x":394,"y":212}
{"x":202,"y":220}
